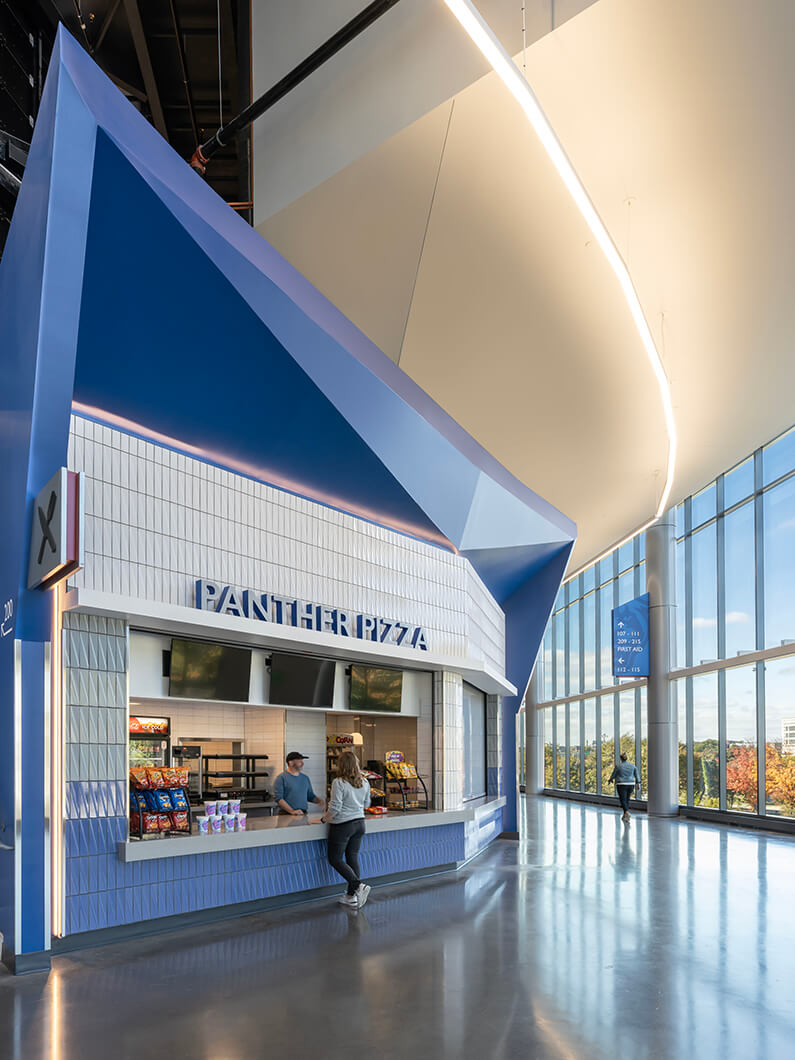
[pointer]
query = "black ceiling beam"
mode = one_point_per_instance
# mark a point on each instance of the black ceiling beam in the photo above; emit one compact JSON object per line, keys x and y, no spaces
{"x":127,"y":90}
{"x":321,"y":55}
{"x":114,"y":7}
{"x":183,"y":68}
{"x":145,"y":64}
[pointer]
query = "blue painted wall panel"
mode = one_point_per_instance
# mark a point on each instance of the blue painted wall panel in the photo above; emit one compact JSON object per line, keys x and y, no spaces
{"x":104,"y":892}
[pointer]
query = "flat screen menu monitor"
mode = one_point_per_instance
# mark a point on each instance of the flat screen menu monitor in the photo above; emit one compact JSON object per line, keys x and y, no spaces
{"x":301,"y":681}
{"x":376,"y":689}
{"x":209,"y":671}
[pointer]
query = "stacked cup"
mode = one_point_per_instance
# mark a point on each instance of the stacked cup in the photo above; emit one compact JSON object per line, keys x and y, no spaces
{"x":221,"y":815}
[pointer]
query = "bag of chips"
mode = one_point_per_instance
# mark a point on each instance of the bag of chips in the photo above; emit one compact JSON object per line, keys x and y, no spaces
{"x":139,"y":777}
{"x":150,"y":798}
{"x":155,"y":777}
{"x":163,"y":799}
{"x":178,"y":800}
{"x":138,"y":800}
{"x":150,"y":822}
{"x":183,"y":773}
{"x":164,"y":822}
{"x":169,"y":777}
{"x":135,"y":822}
{"x":179,"y":822}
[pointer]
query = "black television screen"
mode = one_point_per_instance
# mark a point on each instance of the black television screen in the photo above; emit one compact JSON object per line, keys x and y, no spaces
{"x":301,"y":681}
{"x":375,"y":689}
{"x":209,"y":671}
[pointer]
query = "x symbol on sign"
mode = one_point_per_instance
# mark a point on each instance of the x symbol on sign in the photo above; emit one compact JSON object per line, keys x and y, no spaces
{"x":44,"y":522}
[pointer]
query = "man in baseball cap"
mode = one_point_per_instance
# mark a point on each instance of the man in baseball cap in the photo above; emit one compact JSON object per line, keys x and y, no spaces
{"x":292,"y":790}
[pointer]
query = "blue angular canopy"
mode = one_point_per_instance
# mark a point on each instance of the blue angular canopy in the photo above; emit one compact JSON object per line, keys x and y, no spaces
{"x":131,"y":292}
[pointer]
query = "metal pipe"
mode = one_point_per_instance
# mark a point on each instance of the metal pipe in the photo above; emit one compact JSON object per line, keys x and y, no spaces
{"x":351,"y":30}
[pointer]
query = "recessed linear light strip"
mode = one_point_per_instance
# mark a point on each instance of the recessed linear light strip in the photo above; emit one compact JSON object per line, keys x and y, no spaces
{"x":482,"y":35}
{"x":608,"y":551}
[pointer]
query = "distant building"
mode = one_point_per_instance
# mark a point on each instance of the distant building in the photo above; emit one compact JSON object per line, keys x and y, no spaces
{"x":788,"y":736}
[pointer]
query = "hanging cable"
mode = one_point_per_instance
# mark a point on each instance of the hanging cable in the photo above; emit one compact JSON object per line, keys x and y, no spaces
{"x":220,"y":88}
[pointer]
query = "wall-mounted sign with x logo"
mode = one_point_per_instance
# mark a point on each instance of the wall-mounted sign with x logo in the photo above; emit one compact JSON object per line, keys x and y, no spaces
{"x":55,"y":537}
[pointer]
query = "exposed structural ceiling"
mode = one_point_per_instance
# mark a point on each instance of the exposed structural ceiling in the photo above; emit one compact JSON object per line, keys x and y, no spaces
{"x":163,"y":55}
{"x":454,"y":247}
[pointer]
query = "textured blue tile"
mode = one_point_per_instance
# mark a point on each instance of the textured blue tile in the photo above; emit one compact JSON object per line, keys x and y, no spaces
{"x":83,"y":877}
{"x":71,"y":877}
{"x":71,"y":839}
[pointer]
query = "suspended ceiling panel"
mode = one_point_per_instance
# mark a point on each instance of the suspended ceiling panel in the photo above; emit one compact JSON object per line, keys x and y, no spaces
{"x":413,"y":58}
{"x":453,"y":246}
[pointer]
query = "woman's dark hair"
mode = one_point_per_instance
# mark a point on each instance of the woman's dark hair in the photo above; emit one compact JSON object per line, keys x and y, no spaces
{"x":623,"y":756}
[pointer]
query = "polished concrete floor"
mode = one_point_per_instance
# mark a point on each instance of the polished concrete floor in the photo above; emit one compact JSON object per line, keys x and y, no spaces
{"x":585,"y":939}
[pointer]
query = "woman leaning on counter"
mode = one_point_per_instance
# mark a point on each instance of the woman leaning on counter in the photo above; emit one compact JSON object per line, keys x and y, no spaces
{"x":350,"y":797}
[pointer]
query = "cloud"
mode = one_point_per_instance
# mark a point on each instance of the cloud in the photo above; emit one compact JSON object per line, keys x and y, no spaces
{"x":732,"y":617}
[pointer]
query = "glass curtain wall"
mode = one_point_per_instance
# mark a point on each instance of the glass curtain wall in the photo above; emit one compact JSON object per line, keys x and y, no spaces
{"x":735,"y":586}
{"x":735,"y":580}
{"x":580,"y":726}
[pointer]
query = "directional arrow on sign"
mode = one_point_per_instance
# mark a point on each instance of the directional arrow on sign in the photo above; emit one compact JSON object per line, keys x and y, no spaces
{"x":620,"y":625}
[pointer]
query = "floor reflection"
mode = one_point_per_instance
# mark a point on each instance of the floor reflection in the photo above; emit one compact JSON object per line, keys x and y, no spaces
{"x":588,"y":938}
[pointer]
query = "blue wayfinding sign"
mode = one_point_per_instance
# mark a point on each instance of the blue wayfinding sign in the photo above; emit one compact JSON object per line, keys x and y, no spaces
{"x":631,"y":638}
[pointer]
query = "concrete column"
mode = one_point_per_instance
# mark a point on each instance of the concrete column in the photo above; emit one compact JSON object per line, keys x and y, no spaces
{"x":662,"y":747}
{"x":533,"y":738}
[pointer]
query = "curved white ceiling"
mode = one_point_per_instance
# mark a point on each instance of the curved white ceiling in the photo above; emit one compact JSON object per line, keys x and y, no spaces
{"x":455,"y":247}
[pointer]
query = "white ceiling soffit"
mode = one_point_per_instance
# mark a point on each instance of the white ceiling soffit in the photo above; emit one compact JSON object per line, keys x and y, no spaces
{"x":400,"y":68}
{"x":456,"y":249}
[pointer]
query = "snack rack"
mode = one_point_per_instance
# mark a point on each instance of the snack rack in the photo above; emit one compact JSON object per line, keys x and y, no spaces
{"x":401,"y":782}
{"x":139,"y":813}
{"x":243,"y":780}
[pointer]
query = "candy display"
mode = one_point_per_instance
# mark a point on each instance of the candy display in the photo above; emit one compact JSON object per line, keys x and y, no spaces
{"x":204,"y":824}
{"x":211,"y":808}
{"x":401,"y":770}
{"x":216,"y":824}
{"x":229,"y":822}
{"x":401,"y":782}
{"x":223,"y":807}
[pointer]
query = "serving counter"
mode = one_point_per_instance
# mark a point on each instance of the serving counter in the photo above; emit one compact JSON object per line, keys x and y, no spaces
{"x":284,"y":829}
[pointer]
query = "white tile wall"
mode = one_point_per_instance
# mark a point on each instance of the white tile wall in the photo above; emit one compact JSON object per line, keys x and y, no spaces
{"x":448,"y":740}
{"x":156,"y":520}
{"x":305,"y":731}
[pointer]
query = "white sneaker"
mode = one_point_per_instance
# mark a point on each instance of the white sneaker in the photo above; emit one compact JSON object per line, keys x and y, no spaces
{"x":362,"y":894}
{"x":351,"y":900}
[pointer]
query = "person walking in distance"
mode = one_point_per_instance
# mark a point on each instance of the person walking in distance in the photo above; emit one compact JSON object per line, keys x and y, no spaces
{"x":626,"y":777}
{"x":350,"y":797}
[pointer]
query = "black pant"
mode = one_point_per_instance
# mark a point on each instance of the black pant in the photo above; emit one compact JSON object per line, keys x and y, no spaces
{"x":345,"y":840}
{"x":624,"y":792}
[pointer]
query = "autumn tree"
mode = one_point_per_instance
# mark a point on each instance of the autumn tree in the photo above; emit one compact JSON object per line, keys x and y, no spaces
{"x":741,"y":774}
